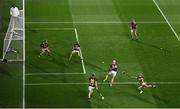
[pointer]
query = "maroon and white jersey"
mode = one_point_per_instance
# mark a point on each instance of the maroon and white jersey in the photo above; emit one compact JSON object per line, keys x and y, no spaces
{"x":133,"y":25}
{"x":114,"y":67}
{"x":140,"y":79}
{"x":76,"y":47}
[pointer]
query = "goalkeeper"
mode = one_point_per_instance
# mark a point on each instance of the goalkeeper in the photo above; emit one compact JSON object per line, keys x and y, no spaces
{"x":11,"y":50}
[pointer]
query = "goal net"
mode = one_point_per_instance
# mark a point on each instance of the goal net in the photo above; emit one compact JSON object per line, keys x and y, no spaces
{"x":13,"y":41}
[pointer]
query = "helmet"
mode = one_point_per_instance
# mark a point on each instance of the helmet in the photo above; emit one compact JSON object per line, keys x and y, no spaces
{"x":114,"y":61}
{"x":93,"y":74}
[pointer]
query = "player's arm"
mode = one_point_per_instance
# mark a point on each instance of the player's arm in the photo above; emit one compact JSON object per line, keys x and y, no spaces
{"x":134,"y":77}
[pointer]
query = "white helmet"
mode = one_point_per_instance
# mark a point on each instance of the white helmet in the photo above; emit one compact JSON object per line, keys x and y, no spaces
{"x":114,"y":61}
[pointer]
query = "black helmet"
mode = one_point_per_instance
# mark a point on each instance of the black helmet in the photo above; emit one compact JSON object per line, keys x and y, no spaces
{"x":93,"y":74}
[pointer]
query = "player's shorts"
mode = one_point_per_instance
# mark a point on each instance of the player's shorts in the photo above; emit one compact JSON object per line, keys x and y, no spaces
{"x":143,"y":84}
{"x":133,"y":30}
{"x":90,"y":89}
{"x":75,"y":51}
{"x":113,"y":73}
{"x":45,"y":49}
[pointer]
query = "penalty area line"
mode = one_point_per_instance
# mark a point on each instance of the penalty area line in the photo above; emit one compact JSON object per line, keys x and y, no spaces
{"x":82,"y":59}
{"x":116,"y":83}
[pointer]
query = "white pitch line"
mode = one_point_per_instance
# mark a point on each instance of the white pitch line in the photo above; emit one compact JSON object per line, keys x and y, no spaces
{"x":96,"y":22}
{"x":82,"y":61}
{"x":36,"y":74}
{"x":116,"y":83}
{"x":54,"y":29}
{"x":166,"y":20}
{"x":24,"y":57}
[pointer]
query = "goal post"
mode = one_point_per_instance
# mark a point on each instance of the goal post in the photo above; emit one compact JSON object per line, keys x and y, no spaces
{"x":13,"y":41}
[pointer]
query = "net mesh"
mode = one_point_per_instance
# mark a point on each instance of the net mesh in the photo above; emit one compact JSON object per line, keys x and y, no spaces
{"x":13,"y":41}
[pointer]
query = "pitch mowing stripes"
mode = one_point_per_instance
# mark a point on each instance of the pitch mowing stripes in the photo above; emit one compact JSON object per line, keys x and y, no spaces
{"x":116,"y":83}
{"x":166,"y":20}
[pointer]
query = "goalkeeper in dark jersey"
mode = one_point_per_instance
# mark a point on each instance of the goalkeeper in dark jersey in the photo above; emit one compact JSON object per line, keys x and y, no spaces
{"x":44,"y":46}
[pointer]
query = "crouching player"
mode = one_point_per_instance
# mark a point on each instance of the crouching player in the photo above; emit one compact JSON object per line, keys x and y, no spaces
{"x":112,"y":72}
{"x":134,"y":30}
{"x":44,"y":48}
{"x":75,"y":50}
{"x":142,"y":83}
{"x":92,"y":85}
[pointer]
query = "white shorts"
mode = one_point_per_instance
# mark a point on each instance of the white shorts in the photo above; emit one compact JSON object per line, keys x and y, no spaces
{"x":113,"y":73}
{"x":75,"y":51}
{"x":133,"y":30}
{"x":90,"y":89}
{"x":143,"y":84}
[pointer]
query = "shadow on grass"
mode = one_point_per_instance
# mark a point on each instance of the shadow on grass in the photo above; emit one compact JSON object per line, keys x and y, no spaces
{"x":151,"y":45}
{"x":140,"y":98}
{"x":160,"y":99}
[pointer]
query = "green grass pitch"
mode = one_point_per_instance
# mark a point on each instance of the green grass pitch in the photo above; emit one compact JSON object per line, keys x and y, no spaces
{"x":102,"y":28}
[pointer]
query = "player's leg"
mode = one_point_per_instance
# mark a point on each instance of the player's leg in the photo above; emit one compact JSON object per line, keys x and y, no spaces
{"x":42,"y":52}
{"x":149,"y":85}
{"x":113,"y":76}
{"x":78,"y":52}
{"x":71,"y":54}
{"x":112,"y":81}
{"x":140,"y":88}
{"x":135,"y":34}
{"x":48,"y":51}
{"x":132,"y":36}
{"x":90,"y":89}
{"x":105,"y":79}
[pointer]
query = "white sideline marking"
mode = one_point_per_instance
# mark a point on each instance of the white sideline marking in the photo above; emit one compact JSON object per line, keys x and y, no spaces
{"x":34,"y":74}
{"x":24,"y":58}
{"x":82,"y":60}
{"x":50,"y":29}
{"x":116,"y":83}
{"x":166,"y":20}
{"x":96,"y":22}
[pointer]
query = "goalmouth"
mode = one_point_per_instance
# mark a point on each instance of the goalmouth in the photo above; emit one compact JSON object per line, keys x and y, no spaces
{"x":13,"y":41}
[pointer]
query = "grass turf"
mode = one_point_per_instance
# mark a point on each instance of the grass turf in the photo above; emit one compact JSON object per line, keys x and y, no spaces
{"x":103,"y":43}
{"x":100,"y":44}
